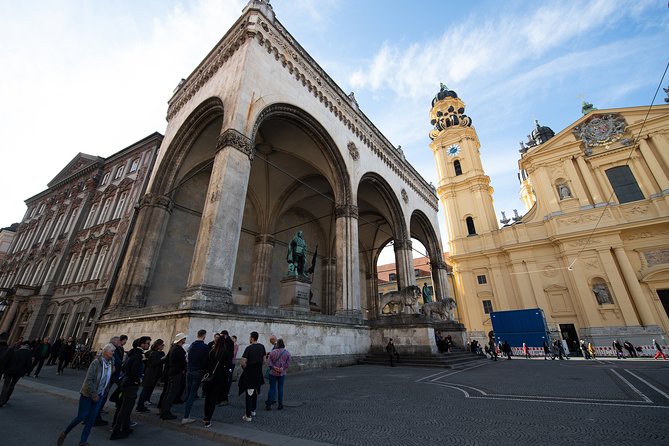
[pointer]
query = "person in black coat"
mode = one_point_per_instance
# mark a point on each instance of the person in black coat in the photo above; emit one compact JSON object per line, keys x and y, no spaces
{"x":176,"y":371}
{"x":55,"y":351}
{"x":133,"y":370}
{"x":153,"y":371}
{"x":65,"y":353}
{"x":4,"y":353}
{"x":251,"y":378}
{"x":19,"y":363}
{"x":218,"y":367}
{"x":41,"y":353}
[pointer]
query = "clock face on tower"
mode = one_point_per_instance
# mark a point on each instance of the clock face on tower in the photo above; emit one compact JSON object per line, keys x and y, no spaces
{"x":453,"y":150}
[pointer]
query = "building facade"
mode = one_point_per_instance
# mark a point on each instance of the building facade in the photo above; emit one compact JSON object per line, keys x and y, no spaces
{"x":593,"y":248}
{"x":66,"y":251}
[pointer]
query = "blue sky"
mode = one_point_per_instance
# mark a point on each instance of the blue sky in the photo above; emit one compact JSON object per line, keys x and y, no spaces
{"x":94,"y":77}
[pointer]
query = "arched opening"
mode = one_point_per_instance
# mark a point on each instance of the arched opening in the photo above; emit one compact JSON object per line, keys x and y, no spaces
{"x":471,"y":229}
{"x":457,"y":167}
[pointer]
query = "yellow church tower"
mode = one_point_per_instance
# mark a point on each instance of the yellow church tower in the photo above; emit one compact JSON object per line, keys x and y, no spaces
{"x":463,"y":187}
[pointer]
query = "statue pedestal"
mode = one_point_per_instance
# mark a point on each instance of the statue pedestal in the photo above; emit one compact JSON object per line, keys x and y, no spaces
{"x":295,"y":293}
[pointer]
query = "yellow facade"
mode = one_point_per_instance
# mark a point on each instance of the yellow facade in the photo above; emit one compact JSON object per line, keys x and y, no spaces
{"x":593,"y":248}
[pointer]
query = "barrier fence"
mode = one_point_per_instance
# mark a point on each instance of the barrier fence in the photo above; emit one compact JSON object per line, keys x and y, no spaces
{"x":647,"y":351}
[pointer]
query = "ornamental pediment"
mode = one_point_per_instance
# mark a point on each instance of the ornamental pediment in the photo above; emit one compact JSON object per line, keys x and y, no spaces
{"x":600,"y":130}
{"x":78,"y":164}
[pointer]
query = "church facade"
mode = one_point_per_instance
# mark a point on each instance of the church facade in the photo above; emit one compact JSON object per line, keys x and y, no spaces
{"x":593,"y":248}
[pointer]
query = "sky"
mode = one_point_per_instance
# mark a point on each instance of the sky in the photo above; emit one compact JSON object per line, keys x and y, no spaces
{"x":95,"y":76}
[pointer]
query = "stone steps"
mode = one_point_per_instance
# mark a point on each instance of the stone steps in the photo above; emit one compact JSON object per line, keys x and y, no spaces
{"x":454,"y":359}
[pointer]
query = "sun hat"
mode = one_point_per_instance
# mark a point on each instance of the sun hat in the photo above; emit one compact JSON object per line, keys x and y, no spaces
{"x":179,"y":337}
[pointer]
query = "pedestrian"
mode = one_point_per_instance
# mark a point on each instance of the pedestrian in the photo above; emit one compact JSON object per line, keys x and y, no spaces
{"x":91,"y":396}
{"x":547,"y":351}
{"x":591,"y":350}
{"x":584,"y":349}
{"x":526,"y":351}
{"x":565,"y":348}
{"x":506,"y":348}
{"x":617,"y":346}
{"x":234,"y":363}
{"x":216,"y":382}
{"x":230,"y":350}
{"x":392,"y":352}
{"x":560,"y":349}
{"x":55,"y":350}
{"x":492,"y":349}
{"x":251,"y":378}
{"x":631,"y":351}
{"x":198,"y":356}
{"x":272,"y":340}
{"x":153,"y":370}
{"x":117,"y":361}
{"x":279,"y":361}
{"x":40,"y":354}
{"x":659,"y":353}
{"x":4,"y":352}
{"x":65,"y":353}
{"x":133,"y":369}
{"x":18,"y":363}
{"x":176,"y":370}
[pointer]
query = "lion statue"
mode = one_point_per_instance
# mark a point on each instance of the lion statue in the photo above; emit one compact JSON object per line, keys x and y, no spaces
{"x":441,"y":309}
{"x":406,"y":298}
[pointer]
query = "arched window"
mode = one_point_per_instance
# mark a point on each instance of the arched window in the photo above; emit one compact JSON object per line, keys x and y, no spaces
{"x":99,"y":263}
{"x":471,"y":229}
{"x":457,"y":167}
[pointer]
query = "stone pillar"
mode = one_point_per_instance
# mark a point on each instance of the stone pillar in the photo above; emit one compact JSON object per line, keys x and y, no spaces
{"x":578,"y":190}
{"x":404,"y":263}
{"x":135,"y":274}
{"x":586,"y":302}
{"x":347,"y":275}
{"x":442,"y":290}
{"x":640,"y":301}
{"x":213,"y":267}
{"x":262,"y":269}
{"x":329,"y":302}
{"x":9,"y":316}
{"x":653,"y":165}
{"x":372,"y":301}
{"x":618,"y":288}
{"x":590,"y":182}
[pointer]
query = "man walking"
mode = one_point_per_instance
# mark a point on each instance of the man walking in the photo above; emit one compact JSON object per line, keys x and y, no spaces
{"x":42,"y":352}
{"x":18,"y":363}
{"x":198,"y":355}
{"x":91,"y":399}
{"x":392,"y":352}
{"x":176,"y":367}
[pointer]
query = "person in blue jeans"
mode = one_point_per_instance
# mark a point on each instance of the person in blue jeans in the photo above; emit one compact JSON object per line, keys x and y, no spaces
{"x":278,"y":362}
{"x":93,"y":390}
{"x":198,"y":357}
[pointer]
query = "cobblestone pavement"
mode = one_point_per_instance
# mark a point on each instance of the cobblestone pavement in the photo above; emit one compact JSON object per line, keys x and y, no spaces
{"x":534,"y":402}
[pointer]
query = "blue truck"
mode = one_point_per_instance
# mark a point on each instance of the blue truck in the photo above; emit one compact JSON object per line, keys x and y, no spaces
{"x":518,"y":326}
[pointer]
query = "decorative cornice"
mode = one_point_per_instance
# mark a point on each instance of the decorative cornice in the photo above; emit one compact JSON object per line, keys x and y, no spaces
{"x":232,"y":138}
{"x":346,"y":210}
{"x":402,"y":244}
{"x":155,"y":200}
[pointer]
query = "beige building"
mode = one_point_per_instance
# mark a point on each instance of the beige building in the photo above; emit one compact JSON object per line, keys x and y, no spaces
{"x":65,"y":255}
{"x":593,"y":248}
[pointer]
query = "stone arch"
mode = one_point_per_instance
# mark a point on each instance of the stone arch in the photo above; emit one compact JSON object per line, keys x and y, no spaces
{"x":204,"y":115}
{"x":422,"y":230}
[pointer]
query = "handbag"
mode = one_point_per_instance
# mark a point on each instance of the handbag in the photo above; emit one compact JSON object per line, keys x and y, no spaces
{"x":209,"y":376}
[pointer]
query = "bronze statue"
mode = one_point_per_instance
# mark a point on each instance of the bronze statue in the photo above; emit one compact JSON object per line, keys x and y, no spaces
{"x":297,"y":254}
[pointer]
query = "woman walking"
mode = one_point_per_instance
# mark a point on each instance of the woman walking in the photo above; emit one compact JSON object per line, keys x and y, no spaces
{"x":155,"y":359}
{"x":218,"y":367}
{"x":279,"y":361}
{"x":93,"y":390}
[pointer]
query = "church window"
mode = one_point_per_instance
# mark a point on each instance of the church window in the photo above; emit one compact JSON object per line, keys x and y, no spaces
{"x":471,"y":229}
{"x":120,"y":205}
{"x":105,"y":209}
{"x":457,"y":167}
{"x":624,"y":184}
{"x":487,"y":306}
{"x":91,"y":215}
{"x":134,"y":165}
{"x":481,"y":279}
{"x":105,"y":179}
{"x":119,"y":172}
{"x":99,"y":263}
{"x":84,"y":266}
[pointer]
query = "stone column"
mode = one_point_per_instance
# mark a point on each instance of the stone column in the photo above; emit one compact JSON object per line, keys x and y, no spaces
{"x":578,"y":190}
{"x":404,"y":263}
{"x":442,"y":289}
{"x":9,"y":316}
{"x":135,"y":274}
{"x":640,"y":301}
{"x":653,"y":165}
{"x":213,"y":267}
{"x":347,"y":279}
{"x":590,"y":182}
{"x":618,"y":288}
{"x":329,"y":303}
{"x":262,"y":269}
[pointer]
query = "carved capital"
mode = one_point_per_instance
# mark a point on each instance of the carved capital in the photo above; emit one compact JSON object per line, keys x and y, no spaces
{"x":265,"y":238}
{"x":438,"y":264}
{"x":155,"y":200}
{"x":402,"y":244}
{"x":346,"y":210}
{"x":232,"y":138}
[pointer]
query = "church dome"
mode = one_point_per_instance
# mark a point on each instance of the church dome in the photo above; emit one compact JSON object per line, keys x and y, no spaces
{"x":539,"y":135}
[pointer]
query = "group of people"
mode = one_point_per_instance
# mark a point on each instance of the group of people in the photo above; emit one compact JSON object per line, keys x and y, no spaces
{"x":444,"y":343}
{"x":118,"y":376}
